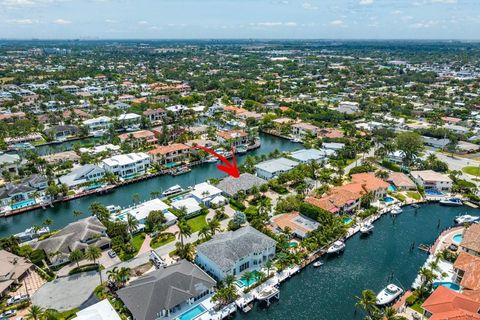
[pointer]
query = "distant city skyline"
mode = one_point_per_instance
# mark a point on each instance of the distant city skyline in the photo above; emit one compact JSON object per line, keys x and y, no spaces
{"x":240,"y":19}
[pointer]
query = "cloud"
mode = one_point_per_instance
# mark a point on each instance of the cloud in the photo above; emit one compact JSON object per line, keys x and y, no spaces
{"x":365,"y":2}
{"x":110,"y":21}
{"x":425,"y":2}
{"x":424,"y":24}
{"x":22,"y":21}
{"x":273,"y":24}
{"x":13,"y":4}
{"x":337,"y":23}
{"x":143,"y":22}
{"x":62,"y":21}
{"x":309,"y":6}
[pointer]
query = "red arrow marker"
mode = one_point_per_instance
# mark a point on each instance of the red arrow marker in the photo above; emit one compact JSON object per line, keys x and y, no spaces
{"x":229,"y":168}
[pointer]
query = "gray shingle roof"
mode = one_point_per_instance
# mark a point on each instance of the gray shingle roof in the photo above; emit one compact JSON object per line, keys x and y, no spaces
{"x":163,"y":289}
{"x":246,"y":181}
{"x":227,"y":248}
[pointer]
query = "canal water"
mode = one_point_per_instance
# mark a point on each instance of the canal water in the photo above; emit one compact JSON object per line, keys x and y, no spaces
{"x":61,"y":214}
{"x":329,"y":292}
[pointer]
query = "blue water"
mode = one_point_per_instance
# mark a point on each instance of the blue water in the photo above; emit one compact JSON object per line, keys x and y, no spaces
{"x":449,"y":285}
{"x":192,"y":313}
{"x":457,"y":238}
{"x":433,"y":192}
{"x":392,"y":188}
{"x":244,"y":283}
{"x":347,"y":220}
{"x":388,"y":199}
{"x":22,"y":204}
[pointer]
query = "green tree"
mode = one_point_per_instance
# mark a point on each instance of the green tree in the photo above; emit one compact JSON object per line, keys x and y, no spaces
{"x":93,"y":253}
{"x":34,"y":313}
{"x":214,"y":226}
{"x":368,"y":302}
{"x":411,"y":144}
{"x":76,"y":256}
{"x":248,"y":276}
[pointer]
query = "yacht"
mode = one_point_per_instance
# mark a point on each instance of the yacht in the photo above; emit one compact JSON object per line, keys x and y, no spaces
{"x":317,"y":264}
{"x":337,"y":246}
{"x":296,"y":140}
{"x":389,"y":294}
{"x":396,"y":210}
{"x":241,"y":149}
{"x":211,"y":159}
{"x":466,"y":218}
{"x":452,"y":202}
{"x":113,"y":208}
{"x":172,"y":190}
{"x":133,"y":128}
{"x":366,"y":228}
{"x":99,"y":133}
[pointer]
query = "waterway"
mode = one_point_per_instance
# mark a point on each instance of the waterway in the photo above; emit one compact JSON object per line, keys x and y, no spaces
{"x":61,"y":214}
{"x":329,"y":292}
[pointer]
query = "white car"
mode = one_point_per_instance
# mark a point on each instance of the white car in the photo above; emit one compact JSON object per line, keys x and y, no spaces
{"x":18,"y":298}
{"x":8,"y":314}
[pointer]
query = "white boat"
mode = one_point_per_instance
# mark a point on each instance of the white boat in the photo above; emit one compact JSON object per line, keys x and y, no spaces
{"x":452,"y":202}
{"x":211,"y":159}
{"x":337,"y":246}
{"x":241,"y":149}
{"x":172,"y":190}
{"x":113,"y":208}
{"x":396,"y":210}
{"x":466,"y":218}
{"x":389,"y":294}
{"x":317,"y":264}
{"x":132,"y":128}
{"x":99,"y":133}
{"x":296,"y":140}
{"x":366,"y":228}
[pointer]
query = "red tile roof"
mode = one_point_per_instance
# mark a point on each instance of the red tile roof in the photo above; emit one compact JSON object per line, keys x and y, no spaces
{"x":444,"y":304}
{"x":168,"y":149}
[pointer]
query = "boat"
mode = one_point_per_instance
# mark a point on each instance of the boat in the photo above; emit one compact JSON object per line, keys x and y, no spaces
{"x":113,"y":208}
{"x":389,"y":294}
{"x":366,"y":228}
{"x":415,"y":205}
{"x":396,"y":210}
{"x":22,"y":146}
{"x":172,"y":190}
{"x":211,"y":159}
{"x":241,"y":149}
{"x":296,"y":140}
{"x":466,"y":218}
{"x":337,"y":246}
{"x":452,"y":202}
{"x":132,"y":128}
{"x":317,"y":264}
{"x":180,"y":170}
{"x":98,"y":133}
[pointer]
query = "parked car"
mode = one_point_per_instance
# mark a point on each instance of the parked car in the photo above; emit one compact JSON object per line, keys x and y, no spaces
{"x":112,"y":254}
{"x":8,"y":314}
{"x":18,"y":298}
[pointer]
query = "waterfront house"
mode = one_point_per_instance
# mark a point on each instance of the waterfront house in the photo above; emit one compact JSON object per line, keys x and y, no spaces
{"x":128,"y":119}
{"x":335,"y":146}
{"x":100,"y":123}
{"x":76,"y":235}
{"x":84,"y":175}
{"x":61,"y":157}
{"x":127,"y":165}
{"x":471,"y":240}
{"x":140,"y":212}
{"x":232,"y":137}
{"x":401,"y":181}
{"x":107,"y":148}
{"x":9,"y":162}
{"x":298,"y":224}
{"x":444,"y":304}
{"x":13,"y":269}
{"x":11,"y":194}
{"x":165,"y":292}
{"x":302,"y":129}
{"x":430,"y":179}
{"x":29,"y":138}
{"x":330,"y":133}
{"x":272,"y":168}
{"x":208,"y":194}
{"x":235,"y":252}
{"x":155,"y":115}
{"x":467,"y":271}
{"x":308,"y":155}
{"x":231,"y":186}
{"x":139,"y":138}
{"x":189,"y":204}
{"x":63,"y":131}
{"x":170,"y":154}
{"x":102,"y":310}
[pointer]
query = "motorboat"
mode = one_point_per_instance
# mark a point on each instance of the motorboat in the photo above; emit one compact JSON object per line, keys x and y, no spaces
{"x":415,"y":205}
{"x":296,"y":140}
{"x":452,"y":202}
{"x":211,"y":159}
{"x":366,"y":228}
{"x":337,"y":246}
{"x":113,"y":208}
{"x":98,"y":133}
{"x":317,"y":264}
{"x":396,"y":210}
{"x":172,"y":190}
{"x":132,"y":128}
{"x":241,"y":149}
{"x":466,"y":218}
{"x":389,"y":294}
{"x":180,"y":170}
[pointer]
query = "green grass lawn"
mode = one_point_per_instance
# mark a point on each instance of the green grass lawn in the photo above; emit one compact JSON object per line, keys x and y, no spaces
{"x":474,"y":171}
{"x":163,"y":239}
{"x":137,"y":241}
{"x":197,"y":222}
{"x":414,"y":195}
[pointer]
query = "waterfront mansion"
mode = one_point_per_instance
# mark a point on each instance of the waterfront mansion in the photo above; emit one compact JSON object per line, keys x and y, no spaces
{"x":127,"y":165}
{"x":234,"y":252}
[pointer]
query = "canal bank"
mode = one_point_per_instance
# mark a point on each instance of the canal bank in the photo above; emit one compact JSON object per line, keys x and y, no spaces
{"x":369,"y":262}
{"x":62,"y":213}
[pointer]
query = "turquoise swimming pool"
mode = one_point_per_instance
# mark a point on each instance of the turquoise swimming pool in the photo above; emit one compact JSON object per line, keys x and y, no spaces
{"x":22,"y":204}
{"x":193,"y":313}
{"x":449,"y":285}
{"x":347,"y":220}
{"x":243,"y":283}
{"x":457,"y":239}
{"x":388,"y":199}
{"x":392,"y":188}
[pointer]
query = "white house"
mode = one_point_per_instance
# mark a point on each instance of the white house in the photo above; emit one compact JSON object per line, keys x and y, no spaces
{"x":100,"y":123}
{"x":127,"y":165}
{"x":307,"y":155}
{"x":190,"y":204}
{"x":102,"y":310}
{"x":208,"y":194}
{"x":430,"y":179}
{"x":235,"y":252}
{"x":271,"y":168}
{"x":82,"y":175}
{"x":141,"y":211}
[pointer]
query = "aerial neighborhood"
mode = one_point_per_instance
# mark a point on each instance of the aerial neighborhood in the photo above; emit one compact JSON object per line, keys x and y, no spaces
{"x":358,"y":174}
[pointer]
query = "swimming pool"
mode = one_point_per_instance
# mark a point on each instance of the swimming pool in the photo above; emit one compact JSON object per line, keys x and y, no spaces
{"x":193,"y":313}
{"x":347,"y":220}
{"x":433,"y":192}
{"x":243,"y":283}
{"x":22,"y":204}
{"x":388,"y":199}
{"x":392,"y":188}
{"x":449,"y":285}
{"x":457,"y":239}
{"x":292,"y":244}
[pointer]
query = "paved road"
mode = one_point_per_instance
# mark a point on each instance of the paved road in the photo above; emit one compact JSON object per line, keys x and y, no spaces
{"x":75,"y":291}
{"x":457,"y":163}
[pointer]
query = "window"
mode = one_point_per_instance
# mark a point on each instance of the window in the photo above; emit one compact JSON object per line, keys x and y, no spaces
{"x":244,"y":266}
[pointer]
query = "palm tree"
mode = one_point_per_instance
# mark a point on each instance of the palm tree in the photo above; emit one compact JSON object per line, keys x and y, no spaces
{"x":136,"y":198}
{"x":268,"y":265}
{"x":367,"y":301}
{"x":391,"y":314}
{"x":76,"y":256}
{"x":132,"y":223}
{"x":214,"y":226}
{"x":48,"y":222}
{"x":35,"y":313}
{"x":124,"y":275}
{"x":92,"y":254}
{"x":185,"y":251}
{"x":112,"y":275}
{"x":248,"y":276}
{"x":204,"y":232}
{"x":184,"y":230}
{"x":229,"y":280}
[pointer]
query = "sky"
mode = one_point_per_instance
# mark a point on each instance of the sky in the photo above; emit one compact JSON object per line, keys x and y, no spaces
{"x":245,"y":19}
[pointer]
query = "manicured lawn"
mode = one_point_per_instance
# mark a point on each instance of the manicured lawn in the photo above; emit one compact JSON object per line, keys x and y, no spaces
{"x":197,"y":222}
{"x":400,"y":197}
{"x":137,"y":240}
{"x":414,"y":195}
{"x":161,"y":240}
{"x":417,"y":306}
{"x":474,"y":171}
